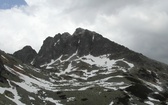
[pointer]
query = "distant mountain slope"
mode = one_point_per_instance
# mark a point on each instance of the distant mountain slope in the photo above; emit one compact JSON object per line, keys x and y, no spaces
{"x":82,"y":69}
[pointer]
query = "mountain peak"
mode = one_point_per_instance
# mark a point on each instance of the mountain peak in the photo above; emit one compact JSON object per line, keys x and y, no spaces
{"x":27,"y":47}
{"x":79,"y":31}
{"x":26,"y":54}
{"x":82,"y":42}
{"x":84,"y":32}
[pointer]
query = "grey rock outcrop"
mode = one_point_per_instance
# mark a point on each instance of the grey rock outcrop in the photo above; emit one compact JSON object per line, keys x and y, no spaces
{"x":26,"y":55}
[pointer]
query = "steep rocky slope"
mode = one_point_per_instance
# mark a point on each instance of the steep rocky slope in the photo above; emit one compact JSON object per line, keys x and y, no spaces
{"x":83,"y":42}
{"x":82,"y":69}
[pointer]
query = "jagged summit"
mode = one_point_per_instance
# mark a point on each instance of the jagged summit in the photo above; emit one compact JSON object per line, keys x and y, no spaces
{"x":82,"y":41}
{"x":79,"y":31}
{"x":26,"y":54}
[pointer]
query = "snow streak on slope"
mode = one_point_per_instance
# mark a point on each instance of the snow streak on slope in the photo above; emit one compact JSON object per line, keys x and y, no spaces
{"x":74,"y":74}
{"x":102,"y":62}
{"x":31,"y":83}
{"x":13,"y":90}
{"x":34,"y":84}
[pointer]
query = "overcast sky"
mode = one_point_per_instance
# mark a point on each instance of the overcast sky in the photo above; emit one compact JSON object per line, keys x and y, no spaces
{"x":141,"y":25}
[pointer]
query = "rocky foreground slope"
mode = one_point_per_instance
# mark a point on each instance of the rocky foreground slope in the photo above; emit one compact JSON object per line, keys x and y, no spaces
{"x":81,"y":69}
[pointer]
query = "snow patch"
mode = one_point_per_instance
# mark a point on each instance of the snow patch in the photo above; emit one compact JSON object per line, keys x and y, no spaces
{"x":15,"y":93}
{"x":111,"y":103}
{"x":51,"y":80}
{"x":85,"y":88}
{"x":130,"y":64}
{"x":149,"y":103}
{"x":2,"y":90}
{"x":101,"y":61}
{"x":31,"y":98}
{"x":93,"y":38}
{"x":32,"y":62}
{"x":152,"y":99}
{"x":11,"y":70}
{"x":154,"y":85}
{"x":67,"y":70}
{"x":57,"y":42}
{"x":70,"y":99}
{"x":4,"y":57}
{"x":78,"y":41}
{"x":31,"y":84}
{"x":19,"y":67}
{"x":56,"y":102}
{"x":124,"y":87}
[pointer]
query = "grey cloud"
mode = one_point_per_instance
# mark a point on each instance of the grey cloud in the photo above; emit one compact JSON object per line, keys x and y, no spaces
{"x":140,"y":25}
{"x":88,"y":10}
{"x":154,"y":46}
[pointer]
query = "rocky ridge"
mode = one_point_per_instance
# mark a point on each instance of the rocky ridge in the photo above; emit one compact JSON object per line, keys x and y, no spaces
{"x":83,"y":42}
{"x":82,"y":69}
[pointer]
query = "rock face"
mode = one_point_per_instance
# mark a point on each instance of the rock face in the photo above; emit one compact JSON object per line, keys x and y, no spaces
{"x":83,"y":42}
{"x":1,"y":66}
{"x":2,"y":69}
{"x":26,"y":55}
